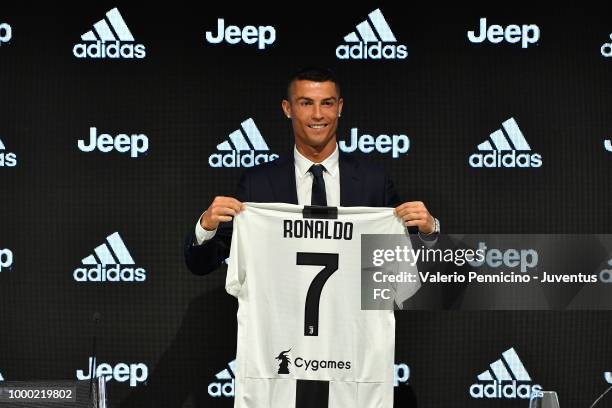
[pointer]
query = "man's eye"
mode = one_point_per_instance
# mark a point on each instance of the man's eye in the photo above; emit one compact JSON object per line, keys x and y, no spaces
{"x":306,"y":103}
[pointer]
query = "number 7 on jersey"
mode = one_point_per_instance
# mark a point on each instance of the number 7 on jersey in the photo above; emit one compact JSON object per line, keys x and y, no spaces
{"x":311,"y":309}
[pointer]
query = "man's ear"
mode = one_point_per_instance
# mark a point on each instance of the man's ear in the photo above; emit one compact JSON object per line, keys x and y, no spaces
{"x":286,"y":105}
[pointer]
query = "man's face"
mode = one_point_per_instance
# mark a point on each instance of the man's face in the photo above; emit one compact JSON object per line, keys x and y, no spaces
{"x":314,"y":108}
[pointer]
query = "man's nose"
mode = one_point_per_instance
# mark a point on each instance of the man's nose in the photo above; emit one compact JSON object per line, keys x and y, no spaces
{"x":316,"y":113}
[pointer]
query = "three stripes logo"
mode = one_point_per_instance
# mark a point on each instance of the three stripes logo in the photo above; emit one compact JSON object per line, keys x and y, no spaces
{"x":110,"y":38}
{"x":7,"y":159}
{"x":507,"y":147}
{"x":108,"y":264}
{"x":506,"y":378}
{"x":245,"y":148}
{"x":373,"y":39}
{"x":225,"y":386}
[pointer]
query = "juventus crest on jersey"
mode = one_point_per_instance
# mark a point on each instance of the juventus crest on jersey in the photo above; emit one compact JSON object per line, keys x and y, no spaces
{"x":303,"y":340}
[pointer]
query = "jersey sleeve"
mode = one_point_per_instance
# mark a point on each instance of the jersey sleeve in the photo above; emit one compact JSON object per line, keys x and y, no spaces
{"x":236,"y":269}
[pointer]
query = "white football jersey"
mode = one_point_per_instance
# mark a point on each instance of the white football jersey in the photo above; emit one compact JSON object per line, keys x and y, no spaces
{"x":303,"y":340}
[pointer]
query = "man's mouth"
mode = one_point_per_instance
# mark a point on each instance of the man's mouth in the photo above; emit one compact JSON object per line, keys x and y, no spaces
{"x":318,"y":126}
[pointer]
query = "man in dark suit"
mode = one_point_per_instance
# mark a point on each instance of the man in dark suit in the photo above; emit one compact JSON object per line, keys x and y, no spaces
{"x":315,"y":174}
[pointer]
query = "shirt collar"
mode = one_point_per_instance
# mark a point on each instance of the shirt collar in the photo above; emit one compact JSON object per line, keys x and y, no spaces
{"x":302,"y":164}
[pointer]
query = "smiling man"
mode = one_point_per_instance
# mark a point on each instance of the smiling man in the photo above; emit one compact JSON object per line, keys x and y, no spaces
{"x":316,"y":173}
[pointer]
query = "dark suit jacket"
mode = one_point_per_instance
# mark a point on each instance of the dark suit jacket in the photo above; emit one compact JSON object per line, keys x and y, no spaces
{"x":361,"y":184}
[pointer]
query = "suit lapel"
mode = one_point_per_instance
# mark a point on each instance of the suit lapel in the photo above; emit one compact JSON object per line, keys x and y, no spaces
{"x":350,"y":186}
{"x":284,"y":187}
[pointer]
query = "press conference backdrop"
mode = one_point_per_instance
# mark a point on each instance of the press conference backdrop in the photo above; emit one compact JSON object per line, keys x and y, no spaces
{"x":120,"y":122}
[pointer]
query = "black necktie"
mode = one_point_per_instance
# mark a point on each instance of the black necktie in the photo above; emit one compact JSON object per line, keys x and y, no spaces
{"x":318,"y":185}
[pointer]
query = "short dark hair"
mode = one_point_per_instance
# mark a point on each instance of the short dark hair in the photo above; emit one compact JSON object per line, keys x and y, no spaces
{"x":315,"y":74}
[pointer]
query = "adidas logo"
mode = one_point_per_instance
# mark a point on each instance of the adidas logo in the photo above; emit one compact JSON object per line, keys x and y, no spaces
{"x":104,"y":257}
{"x":109,"y":39}
{"x":7,"y":159}
{"x":507,"y":378}
{"x":6,"y":33}
{"x":608,"y":145}
{"x":607,"y":376}
{"x":240,"y":150}
{"x":511,"y":141}
{"x":225,"y":387}
{"x":367,"y":42}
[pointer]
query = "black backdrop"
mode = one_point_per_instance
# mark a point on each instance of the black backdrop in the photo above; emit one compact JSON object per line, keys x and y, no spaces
{"x":187,"y":96}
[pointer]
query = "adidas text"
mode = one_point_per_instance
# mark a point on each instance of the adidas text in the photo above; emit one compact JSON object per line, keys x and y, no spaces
{"x":109,"y":50}
{"x":235,"y":159}
{"x":6,"y":259}
{"x":132,"y":373}
{"x":217,"y":389}
{"x":6,"y":33}
{"x":262,"y":35}
{"x":136,"y":144}
{"x":100,"y":273}
{"x":498,"y":389}
{"x":526,"y":34}
{"x":371,"y":51}
{"x":510,"y":159}
{"x":396,"y":144}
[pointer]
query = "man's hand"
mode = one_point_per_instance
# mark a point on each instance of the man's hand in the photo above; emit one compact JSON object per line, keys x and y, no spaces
{"x":222,"y":209}
{"x":414,"y":213}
